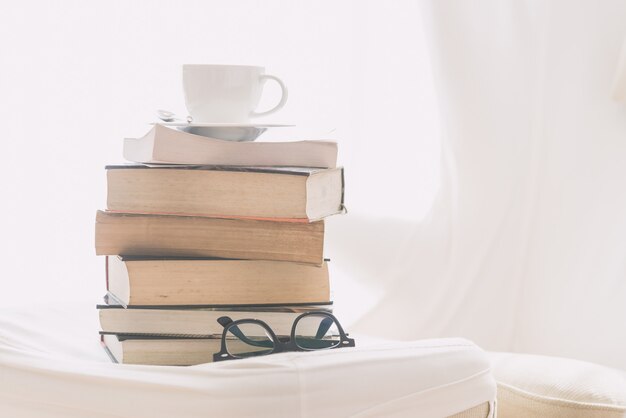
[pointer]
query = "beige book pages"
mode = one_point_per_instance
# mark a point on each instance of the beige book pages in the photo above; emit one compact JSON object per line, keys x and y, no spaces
{"x":161,"y":235}
{"x":216,"y":282}
{"x":220,"y":192}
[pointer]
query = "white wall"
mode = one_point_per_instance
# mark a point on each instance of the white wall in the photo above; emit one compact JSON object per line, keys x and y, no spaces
{"x":76,"y":77}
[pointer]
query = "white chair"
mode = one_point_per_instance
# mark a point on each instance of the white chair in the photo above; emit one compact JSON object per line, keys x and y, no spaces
{"x":52,"y":366}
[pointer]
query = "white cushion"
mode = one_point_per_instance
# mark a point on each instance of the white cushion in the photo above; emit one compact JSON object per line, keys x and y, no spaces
{"x":539,"y":386}
{"x":51,"y":365}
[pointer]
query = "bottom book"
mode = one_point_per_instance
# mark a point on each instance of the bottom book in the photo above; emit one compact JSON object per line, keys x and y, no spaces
{"x":160,"y":350}
{"x":189,"y":335}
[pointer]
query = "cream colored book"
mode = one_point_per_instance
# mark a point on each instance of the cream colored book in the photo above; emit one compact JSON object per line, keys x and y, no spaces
{"x":194,"y":236}
{"x":296,"y":193}
{"x":161,"y":281}
{"x":161,"y":351}
{"x":197,"y":321}
{"x":162,"y":145}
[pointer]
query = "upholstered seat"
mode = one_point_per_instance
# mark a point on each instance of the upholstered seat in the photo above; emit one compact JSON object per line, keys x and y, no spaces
{"x":532,"y":386}
{"x":51,"y":365}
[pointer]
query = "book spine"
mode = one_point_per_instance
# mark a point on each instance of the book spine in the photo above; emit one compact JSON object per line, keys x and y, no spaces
{"x":106,"y":271}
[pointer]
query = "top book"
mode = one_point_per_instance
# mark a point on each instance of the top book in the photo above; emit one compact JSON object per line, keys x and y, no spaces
{"x":163,"y":145}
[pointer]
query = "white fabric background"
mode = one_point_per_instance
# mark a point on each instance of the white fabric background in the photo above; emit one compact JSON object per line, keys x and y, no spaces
{"x":77,"y":77}
{"x":524,"y":249}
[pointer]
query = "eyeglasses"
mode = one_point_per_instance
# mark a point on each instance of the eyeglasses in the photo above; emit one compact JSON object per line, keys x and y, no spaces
{"x":252,"y":337}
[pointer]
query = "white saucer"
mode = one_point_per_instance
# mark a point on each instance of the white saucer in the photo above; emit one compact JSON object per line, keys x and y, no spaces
{"x":228,"y":131}
{"x":226,"y":125}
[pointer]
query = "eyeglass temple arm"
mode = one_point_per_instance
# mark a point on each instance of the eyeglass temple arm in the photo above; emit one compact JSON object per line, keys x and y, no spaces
{"x":224,"y":321}
{"x":324,"y":326}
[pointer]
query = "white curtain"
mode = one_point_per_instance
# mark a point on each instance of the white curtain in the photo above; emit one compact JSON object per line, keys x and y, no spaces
{"x":525,"y":247}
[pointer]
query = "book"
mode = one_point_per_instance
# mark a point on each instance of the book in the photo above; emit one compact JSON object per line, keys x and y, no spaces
{"x":160,"y":350}
{"x":193,"y":236}
{"x":162,"y":145}
{"x":197,"y":321}
{"x":169,"y":281}
{"x":296,"y":193}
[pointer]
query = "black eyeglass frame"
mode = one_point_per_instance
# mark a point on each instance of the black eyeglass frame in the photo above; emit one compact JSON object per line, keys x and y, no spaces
{"x":279,"y":346}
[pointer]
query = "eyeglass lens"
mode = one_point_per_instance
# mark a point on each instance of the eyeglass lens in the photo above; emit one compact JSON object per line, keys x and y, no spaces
{"x":315,"y":332}
{"x":248,"y":340}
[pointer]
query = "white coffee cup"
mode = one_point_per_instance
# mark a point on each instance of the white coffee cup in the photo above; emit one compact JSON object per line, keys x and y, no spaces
{"x":226,"y":93}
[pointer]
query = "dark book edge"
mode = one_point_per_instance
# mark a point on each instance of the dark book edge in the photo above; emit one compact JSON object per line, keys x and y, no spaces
{"x":121,"y":336}
{"x":187,"y":258}
{"x":111,"y":302}
{"x":173,"y":258}
{"x":293,"y":171}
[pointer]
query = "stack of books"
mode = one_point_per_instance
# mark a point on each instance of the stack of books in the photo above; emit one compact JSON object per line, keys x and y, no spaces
{"x":200,"y":228}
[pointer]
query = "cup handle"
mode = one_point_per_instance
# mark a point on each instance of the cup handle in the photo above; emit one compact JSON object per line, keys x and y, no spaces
{"x":283,"y":98}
